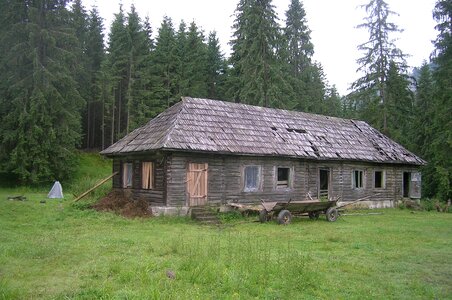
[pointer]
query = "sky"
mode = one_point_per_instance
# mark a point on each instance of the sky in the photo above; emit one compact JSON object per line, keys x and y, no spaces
{"x":332,"y":22}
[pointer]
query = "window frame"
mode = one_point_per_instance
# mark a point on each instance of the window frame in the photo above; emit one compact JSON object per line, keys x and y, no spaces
{"x":151,"y":180}
{"x":363,"y":180}
{"x":383,"y":179}
{"x":127,"y":169}
{"x":289,"y":177}
{"x":258,"y":180}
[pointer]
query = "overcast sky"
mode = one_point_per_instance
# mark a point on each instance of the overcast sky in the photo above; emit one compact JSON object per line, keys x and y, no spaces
{"x":332,"y":23}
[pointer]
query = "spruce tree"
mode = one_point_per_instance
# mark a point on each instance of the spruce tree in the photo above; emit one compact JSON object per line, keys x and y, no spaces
{"x":164,"y":61}
{"x":297,"y":34}
{"x":95,"y":55}
{"x":138,"y":79}
{"x":216,"y":69}
{"x":442,"y":125}
{"x":41,"y":125}
{"x":257,"y":69}
{"x":195,"y":63}
{"x":400,"y":104}
{"x":379,"y":51}
{"x":422,"y":131}
{"x":116,"y":68}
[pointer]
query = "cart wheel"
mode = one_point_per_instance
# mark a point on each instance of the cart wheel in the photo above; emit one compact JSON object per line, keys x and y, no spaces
{"x":263,"y":216}
{"x":314,"y":215}
{"x":331,"y":214}
{"x":284,"y":217}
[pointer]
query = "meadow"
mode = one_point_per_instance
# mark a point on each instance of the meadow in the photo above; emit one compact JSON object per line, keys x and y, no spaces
{"x":62,"y":250}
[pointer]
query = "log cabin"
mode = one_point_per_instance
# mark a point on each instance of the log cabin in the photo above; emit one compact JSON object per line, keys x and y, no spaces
{"x":208,"y":152}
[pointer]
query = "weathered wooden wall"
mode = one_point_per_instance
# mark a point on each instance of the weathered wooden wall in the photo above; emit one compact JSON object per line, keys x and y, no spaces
{"x":225,"y":178}
{"x":156,"y":195}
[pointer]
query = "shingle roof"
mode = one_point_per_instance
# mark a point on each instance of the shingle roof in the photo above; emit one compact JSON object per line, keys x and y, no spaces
{"x":203,"y":125}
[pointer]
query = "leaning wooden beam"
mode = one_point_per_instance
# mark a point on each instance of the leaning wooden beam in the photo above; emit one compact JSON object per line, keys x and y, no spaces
{"x":356,"y":201}
{"x":95,"y":187}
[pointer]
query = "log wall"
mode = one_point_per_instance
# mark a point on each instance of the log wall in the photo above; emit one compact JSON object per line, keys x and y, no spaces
{"x":225,"y":179}
{"x":157,"y":195}
{"x":226,"y":183}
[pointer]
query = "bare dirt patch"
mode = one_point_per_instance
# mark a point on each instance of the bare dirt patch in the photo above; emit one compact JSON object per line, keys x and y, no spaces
{"x":121,"y":204}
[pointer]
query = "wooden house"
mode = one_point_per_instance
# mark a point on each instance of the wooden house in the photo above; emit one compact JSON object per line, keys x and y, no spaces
{"x":208,"y":152}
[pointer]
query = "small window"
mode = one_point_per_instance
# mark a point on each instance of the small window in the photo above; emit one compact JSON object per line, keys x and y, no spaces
{"x":357,"y":179}
{"x":127,"y":170}
{"x":251,"y":178}
{"x":147,"y":175}
{"x":283,"y":177}
{"x":379,"y":180}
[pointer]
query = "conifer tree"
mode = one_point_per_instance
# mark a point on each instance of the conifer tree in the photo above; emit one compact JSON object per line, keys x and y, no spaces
{"x":138,"y":79}
{"x":257,"y":70}
{"x":41,"y":125}
{"x":306,"y":77}
{"x":422,"y":131}
{"x":195,"y":63}
{"x":216,"y":69}
{"x":379,"y":51}
{"x":400,"y":106}
{"x":95,"y":54}
{"x":442,"y":125}
{"x":164,"y":61}
{"x":297,"y":34}
{"x":116,"y":67}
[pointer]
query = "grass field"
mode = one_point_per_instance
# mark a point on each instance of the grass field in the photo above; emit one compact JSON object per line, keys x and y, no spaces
{"x":56,"y":250}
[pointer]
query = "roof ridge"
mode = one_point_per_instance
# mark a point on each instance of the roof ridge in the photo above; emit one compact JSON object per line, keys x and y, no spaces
{"x":274,"y":109}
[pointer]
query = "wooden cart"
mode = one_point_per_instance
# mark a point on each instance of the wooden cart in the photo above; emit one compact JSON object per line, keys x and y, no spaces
{"x":284,"y":210}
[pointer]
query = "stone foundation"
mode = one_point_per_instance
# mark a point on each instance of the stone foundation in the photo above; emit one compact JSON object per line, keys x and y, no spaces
{"x":169,"y":210}
{"x":369,"y":204}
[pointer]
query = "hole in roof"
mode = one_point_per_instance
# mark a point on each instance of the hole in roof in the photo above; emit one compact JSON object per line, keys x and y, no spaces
{"x":316,"y":150}
{"x":273,"y":128}
{"x":338,"y":155}
{"x":296,"y":130}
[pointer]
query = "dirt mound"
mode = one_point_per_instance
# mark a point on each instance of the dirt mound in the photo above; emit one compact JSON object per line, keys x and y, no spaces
{"x":119,"y":203}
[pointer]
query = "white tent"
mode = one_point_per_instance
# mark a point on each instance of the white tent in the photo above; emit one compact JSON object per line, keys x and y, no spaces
{"x":56,"y":191}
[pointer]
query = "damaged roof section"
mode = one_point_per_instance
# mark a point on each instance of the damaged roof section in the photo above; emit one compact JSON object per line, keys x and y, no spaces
{"x":215,"y":126}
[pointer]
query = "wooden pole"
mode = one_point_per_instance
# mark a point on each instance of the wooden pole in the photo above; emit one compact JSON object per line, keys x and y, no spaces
{"x":356,"y":201}
{"x":95,"y":187}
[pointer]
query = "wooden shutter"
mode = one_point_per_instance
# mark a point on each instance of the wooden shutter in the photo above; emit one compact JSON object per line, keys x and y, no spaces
{"x":197,"y":183}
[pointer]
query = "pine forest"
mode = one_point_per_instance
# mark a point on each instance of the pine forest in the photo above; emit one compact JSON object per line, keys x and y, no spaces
{"x":68,"y":83}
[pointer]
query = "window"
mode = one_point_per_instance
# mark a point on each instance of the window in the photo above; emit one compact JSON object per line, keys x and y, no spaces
{"x":127,"y":169}
{"x":252,"y":176}
{"x":379,"y":180}
{"x":357,"y":179}
{"x":147,"y":175}
{"x":283,"y":176}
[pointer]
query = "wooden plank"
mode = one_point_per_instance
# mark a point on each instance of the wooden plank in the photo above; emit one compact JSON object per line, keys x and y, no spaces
{"x":95,"y":187}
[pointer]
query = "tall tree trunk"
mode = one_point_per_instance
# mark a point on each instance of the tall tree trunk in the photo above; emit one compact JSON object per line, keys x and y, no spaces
{"x":113,"y":118}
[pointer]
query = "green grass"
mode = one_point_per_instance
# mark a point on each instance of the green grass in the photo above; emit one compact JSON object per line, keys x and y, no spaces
{"x":58,"y":250}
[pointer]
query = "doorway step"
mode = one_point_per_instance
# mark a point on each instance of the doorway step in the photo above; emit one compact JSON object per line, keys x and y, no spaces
{"x":205,"y":215}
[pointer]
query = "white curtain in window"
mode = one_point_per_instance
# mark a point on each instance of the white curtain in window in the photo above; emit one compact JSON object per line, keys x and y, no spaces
{"x":127,"y":175}
{"x":251,"y":178}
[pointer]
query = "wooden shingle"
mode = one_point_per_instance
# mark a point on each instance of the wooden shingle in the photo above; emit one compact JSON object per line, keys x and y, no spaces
{"x":203,"y":125}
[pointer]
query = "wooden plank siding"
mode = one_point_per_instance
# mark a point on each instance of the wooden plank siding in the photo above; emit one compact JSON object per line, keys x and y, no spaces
{"x":156,"y":195}
{"x":225,"y":178}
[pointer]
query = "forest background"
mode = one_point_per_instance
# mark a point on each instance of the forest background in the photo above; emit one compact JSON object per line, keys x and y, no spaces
{"x":65,"y":85}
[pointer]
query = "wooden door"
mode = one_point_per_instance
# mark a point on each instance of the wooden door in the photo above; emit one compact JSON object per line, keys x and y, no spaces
{"x":324,"y":182}
{"x":197,"y":184}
